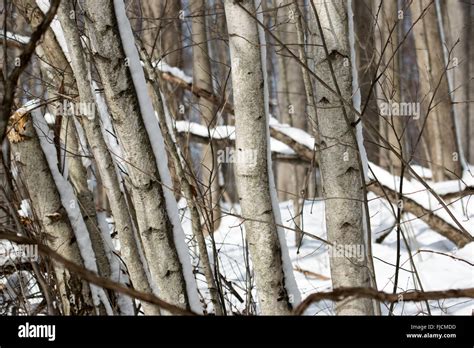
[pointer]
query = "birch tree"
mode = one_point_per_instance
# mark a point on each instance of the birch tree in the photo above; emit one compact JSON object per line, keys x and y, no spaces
{"x":154,"y":224}
{"x":340,"y":160}
{"x":75,"y":294}
{"x":253,"y":176}
{"x":92,"y":128}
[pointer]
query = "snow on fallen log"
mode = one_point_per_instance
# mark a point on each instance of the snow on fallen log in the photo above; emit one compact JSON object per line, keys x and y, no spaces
{"x":416,"y":200}
{"x":225,"y":133}
{"x":421,"y":204}
{"x":299,"y":141}
{"x":164,"y":67}
{"x":456,"y":188}
{"x":16,"y":38}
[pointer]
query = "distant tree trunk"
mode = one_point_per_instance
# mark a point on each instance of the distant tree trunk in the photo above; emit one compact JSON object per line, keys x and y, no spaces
{"x":162,"y":39}
{"x":312,"y":186}
{"x":364,"y":27}
{"x":46,"y":204}
{"x":340,"y":156}
{"x":252,"y":168}
{"x":154,"y":224}
{"x":162,"y":30}
{"x":456,"y":17}
{"x":389,"y":91}
{"x":220,"y":54}
{"x":103,"y":160}
{"x":202,"y":78}
{"x":292,"y":108}
{"x":440,"y":133}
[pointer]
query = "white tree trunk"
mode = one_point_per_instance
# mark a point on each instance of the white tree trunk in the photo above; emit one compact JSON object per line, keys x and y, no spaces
{"x":154,"y":223}
{"x":77,"y":175}
{"x":123,"y":222}
{"x":252,"y":173}
{"x":340,"y":156}
{"x":46,"y":203}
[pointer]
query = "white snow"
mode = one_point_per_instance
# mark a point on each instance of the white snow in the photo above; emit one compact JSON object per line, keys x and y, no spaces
{"x":164,"y":67}
{"x":69,"y":201}
{"x":437,"y":272}
{"x":294,"y":133}
{"x":228,"y":132}
{"x":157,"y":143}
{"x":16,"y":37}
{"x":417,"y":192}
{"x":25,"y":209}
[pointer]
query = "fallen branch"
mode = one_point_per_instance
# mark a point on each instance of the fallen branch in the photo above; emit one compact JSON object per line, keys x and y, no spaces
{"x":355,"y":293}
{"x":93,"y":278}
{"x":436,"y":223}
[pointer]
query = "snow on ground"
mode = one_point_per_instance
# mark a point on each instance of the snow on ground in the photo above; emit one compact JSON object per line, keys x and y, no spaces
{"x":436,"y":262}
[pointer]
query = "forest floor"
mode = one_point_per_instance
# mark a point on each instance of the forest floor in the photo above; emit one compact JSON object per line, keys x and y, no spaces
{"x":437,"y":264}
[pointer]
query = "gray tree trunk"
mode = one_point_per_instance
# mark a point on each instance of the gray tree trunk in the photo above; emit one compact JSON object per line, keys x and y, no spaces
{"x":456,"y":18}
{"x":340,"y":156}
{"x":292,"y":108}
{"x":46,"y":204}
{"x":104,"y":161}
{"x":364,"y":31}
{"x":251,"y":143}
{"x":389,"y":90}
{"x":154,"y":225}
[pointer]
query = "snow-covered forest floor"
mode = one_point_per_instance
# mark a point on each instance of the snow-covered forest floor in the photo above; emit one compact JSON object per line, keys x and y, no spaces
{"x":430,"y":262}
{"x":435,"y":262}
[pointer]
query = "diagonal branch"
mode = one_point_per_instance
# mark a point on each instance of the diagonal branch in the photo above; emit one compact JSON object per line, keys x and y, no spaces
{"x":354,"y":293}
{"x":93,"y":277}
